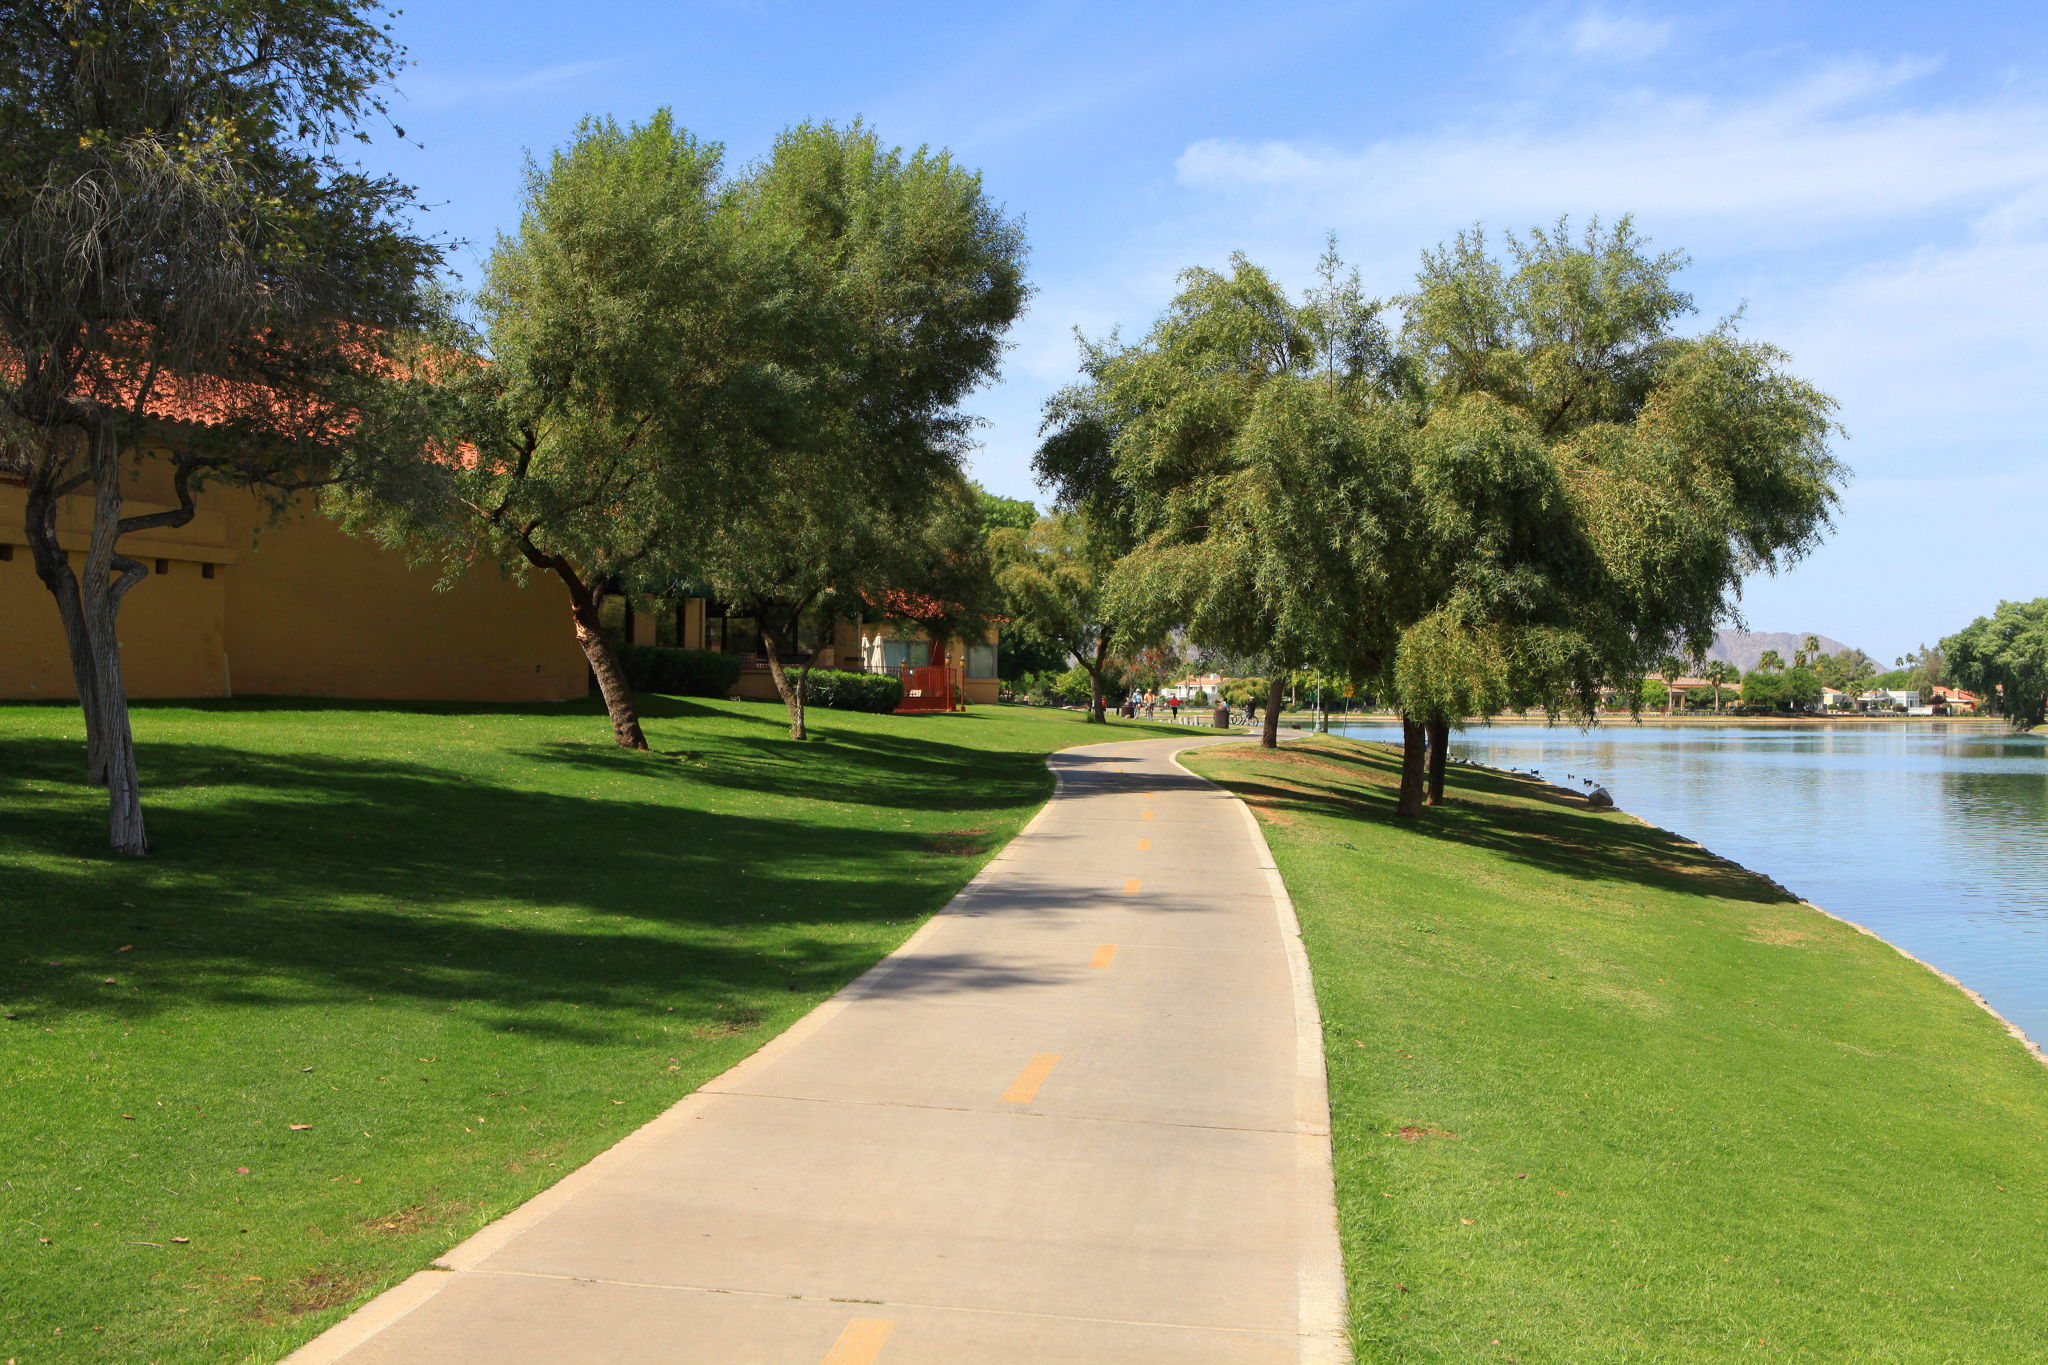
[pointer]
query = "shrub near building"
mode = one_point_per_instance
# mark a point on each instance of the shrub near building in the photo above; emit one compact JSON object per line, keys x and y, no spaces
{"x":841,"y":691}
{"x":679,"y":672}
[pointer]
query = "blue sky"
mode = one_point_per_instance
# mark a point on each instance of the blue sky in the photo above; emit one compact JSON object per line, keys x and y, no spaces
{"x":1868,"y":180}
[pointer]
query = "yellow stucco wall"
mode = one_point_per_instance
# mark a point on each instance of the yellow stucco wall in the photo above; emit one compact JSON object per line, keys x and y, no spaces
{"x":239,"y":602}
{"x":757,"y":684}
{"x":172,"y":634}
{"x":294,"y":607}
{"x":172,"y":628}
{"x":314,"y":611}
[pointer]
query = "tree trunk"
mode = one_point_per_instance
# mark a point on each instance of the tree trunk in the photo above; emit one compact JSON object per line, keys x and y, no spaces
{"x":792,"y":694}
{"x":1410,"y":802}
{"x":1098,"y":709}
{"x":116,"y":749}
{"x":1439,"y":730}
{"x":53,"y":567}
{"x":604,"y":662}
{"x":1276,"y":693}
{"x":106,"y":580}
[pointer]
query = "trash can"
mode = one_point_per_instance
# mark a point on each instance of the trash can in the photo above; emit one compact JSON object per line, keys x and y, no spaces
{"x":1223,"y":716}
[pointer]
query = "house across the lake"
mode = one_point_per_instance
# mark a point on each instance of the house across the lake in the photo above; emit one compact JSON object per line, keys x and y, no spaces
{"x":1956,"y":700}
{"x":1889,"y":699}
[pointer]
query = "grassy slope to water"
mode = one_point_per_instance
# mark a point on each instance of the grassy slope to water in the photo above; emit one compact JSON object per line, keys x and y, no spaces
{"x":468,"y":948}
{"x":1600,"y":1097}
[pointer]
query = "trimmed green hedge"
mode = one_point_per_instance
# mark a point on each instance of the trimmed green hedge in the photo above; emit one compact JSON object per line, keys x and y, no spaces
{"x":679,"y":672}
{"x":853,"y":691}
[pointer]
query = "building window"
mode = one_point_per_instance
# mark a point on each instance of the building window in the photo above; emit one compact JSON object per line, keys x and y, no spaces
{"x":728,"y":632}
{"x":906,"y":654}
{"x":981,"y":661}
{"x":206,"y":570}
{"x":6,"y":552}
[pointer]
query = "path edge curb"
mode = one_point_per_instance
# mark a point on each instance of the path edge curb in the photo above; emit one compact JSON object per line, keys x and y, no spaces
{"x":1324,"y":1315}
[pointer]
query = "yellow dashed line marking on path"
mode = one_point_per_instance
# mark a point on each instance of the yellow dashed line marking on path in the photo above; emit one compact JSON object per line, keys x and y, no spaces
{"x":1130,"y":885}
{"x":1148,"y":815}
{"x":1025,"y":1088}
{"x":1102,"y":955}
{"x":860,"y":1343}
{"x":1144,"y":845}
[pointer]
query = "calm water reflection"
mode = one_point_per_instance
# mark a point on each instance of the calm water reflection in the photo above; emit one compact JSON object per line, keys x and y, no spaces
{"x":1934,"y":836}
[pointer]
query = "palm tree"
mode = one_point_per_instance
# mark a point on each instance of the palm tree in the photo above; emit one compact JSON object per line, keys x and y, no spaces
{"x":1720,"y":673}
{"x":1671,"y":668}
{"x":1770,"y":662}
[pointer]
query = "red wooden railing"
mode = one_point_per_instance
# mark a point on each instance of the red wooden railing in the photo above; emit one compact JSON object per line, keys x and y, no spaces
{"x":933,"y":688}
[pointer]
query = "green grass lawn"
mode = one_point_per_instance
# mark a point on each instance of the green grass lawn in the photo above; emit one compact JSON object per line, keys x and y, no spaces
{"x":1601,"y":1097}
{"x":393,"y":970}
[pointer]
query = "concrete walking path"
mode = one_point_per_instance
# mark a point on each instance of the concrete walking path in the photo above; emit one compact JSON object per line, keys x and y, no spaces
{"x":1079,"y":1117}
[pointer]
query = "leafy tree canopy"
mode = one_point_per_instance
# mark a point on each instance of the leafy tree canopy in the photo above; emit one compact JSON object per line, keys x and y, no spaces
{"x":1223,"y":444}
{"x":997,"y":511}
{"x":1054,"y":580}
{"x":1599,"y":483}
{"x":744,"y":381}
{"x":184,"y":256}
{"x":2005,"y":655}
{"x":1529,"y":491}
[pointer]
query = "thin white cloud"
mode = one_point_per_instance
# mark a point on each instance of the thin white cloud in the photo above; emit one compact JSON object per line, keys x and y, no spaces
{"x":1826,"y":154}
{"x":1936,"y":354}
{"x":1899,"y":251}
{"x":1064,"y":63}
{"x":447,"y":90}
{"x":1599,"y":34}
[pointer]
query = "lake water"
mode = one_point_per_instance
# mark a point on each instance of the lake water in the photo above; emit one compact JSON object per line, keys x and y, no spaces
{"x":1934,"y":836}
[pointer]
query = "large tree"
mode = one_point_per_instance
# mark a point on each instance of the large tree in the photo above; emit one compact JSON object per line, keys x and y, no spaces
{"x":901,"y":279}
{"x":609,"y":377}
{"x":1054,"y":579}
{"x":2003,"y":657}
{"x":747,"y":381}
{"x":1218,"y":444}
{"x":190,"y":276}
{"x":1598,"y":484}
{"x":920,"y":561}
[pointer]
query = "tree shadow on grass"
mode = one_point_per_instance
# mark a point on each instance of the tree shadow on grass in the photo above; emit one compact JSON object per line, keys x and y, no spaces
{"x":650,"y":705}
{"x":845,"y":767}
{"x":302,"y":878}
{"x":1358,"y":781}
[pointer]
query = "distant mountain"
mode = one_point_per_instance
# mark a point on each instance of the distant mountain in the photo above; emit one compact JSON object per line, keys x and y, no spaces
{"x":1744,"y":647}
